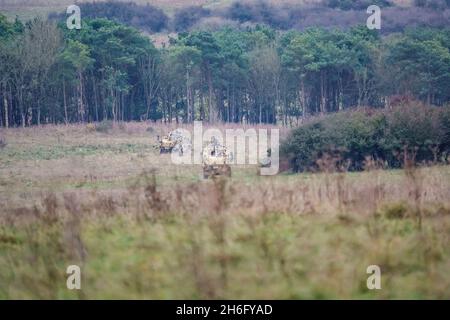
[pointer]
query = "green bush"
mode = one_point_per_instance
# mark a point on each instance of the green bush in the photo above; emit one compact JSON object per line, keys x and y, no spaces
{"x":416,"y":129}
{"x":347,"y":135}
{"x":420,"y":131}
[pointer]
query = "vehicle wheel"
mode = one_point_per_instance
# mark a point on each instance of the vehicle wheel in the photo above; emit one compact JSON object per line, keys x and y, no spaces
{"x":228,"y":171}
{"x":206,"y":173}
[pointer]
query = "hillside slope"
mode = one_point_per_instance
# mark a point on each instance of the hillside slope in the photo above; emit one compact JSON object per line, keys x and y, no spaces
{"x":26,"y":9}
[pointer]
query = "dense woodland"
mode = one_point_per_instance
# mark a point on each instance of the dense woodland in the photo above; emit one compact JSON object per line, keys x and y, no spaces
{"x":247,"y":73}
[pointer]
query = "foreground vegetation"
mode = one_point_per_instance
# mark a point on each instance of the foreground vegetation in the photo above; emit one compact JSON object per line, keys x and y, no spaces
{"x":140,"y":227}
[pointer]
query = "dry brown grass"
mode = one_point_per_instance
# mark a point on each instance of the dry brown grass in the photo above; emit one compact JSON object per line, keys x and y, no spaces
{"x":77,"y":157}
{"x":88,"y":161}
{"x":358,"y":196}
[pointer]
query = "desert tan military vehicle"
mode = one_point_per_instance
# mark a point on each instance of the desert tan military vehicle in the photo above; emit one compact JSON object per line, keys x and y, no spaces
{"x":166,"y":144}
{"x":215,"y":161}
{"x":175,"y":140}
{"x":266,"y":162}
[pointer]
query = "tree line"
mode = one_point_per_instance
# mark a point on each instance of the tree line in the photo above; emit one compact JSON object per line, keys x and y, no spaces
{"x":110,"y":71}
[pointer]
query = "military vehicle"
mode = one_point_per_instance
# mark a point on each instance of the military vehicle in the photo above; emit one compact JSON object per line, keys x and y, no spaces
{"x":175,"y":140}
{"x":166,"y":144}
{"x":215,"y":160}
{"x":266,"y":162}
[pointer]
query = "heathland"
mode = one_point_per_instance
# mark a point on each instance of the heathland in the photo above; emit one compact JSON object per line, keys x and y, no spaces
{"x":140,"y":227}
{"x":364,"y":120}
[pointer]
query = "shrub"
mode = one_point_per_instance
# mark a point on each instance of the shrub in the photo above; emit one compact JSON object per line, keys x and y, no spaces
{"x":260,"y":12}
{"x":420,"y":133}
{"x":145,"y":17}
{"x":347,"y":135}
{"x":415,"y":129}
{"x":433,"y":4}
{"x":187,"y":17}
{"x":356,"y":4}
{"x":241,"y":12}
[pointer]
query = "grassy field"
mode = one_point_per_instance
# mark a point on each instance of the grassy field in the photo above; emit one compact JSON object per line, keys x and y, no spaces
{"x":140,"y":227}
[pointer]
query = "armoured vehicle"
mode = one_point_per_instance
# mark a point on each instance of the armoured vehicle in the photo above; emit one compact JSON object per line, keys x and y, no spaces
{"x":215,"y":160}
{"x":266,"y":162}
{"x":175,"y":140}
{"x":166,"y":144}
